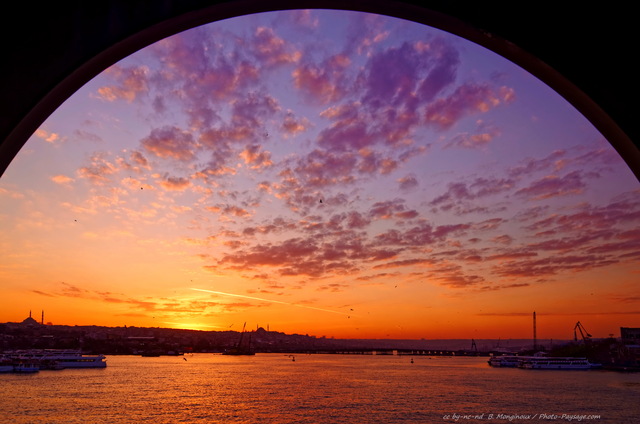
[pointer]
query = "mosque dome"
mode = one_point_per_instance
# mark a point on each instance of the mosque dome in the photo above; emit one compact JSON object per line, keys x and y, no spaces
{"x":30,"y":321}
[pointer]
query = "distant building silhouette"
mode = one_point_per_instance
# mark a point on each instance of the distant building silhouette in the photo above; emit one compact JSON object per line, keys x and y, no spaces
{"x":630,"y":336}
{"x":29,"y":321}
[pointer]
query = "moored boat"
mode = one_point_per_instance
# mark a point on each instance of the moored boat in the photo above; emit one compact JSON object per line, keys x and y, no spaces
{"x":506,"y":361}
{"x":6,"y":364}
{"x":59,"y":358}
{"x":240,"y":349}
{"x":558,"y":363}
{"x":74,"y":359}
{"x":26,"y":367}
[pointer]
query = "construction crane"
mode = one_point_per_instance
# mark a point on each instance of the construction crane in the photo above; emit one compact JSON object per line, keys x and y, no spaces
{"x":583,"y":332}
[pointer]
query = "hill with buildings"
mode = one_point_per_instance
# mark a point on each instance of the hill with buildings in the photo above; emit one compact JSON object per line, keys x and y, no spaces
{"x":155,"y":341}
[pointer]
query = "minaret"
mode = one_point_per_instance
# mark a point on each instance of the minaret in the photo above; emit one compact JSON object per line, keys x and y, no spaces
{"x":42,"y":319}
{"x":535,"y":337}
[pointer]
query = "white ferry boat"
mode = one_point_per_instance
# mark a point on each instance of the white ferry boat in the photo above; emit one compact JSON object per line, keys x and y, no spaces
{"x":60,"y":359}
{"x":75,"y":359}
{"x":550,"y":363}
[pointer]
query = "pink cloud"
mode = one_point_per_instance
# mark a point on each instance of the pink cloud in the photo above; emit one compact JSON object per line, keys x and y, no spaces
{"x":503,"y":239}
{"x":255,"y":157}
{"x":49,"y":137}
{"x":421,"y":235}
{"x":405,"y":262}
{"x":363,"y":33}
{"x":443,"y":73}
{"x":197,"y":79}
{"x":252,"y":110}
{"x":619,"y":247}
{"x":395,"y":84}
{"x":456,"y":191}
{"x":139,"y":159}
{"x":137,"y":162}
{"x":87,"y":136}
{"x":348,"y":134}
{"x":170,"y":142}
{"x":175,"y":183}
{"x":458,"y":194}
{"x":607,"y":229}
{"x":491,"y":186}
{"x":386,"y":209}
{"x":217,"y":139}
{"x":327,"y":249}
{"x":458,"y":279}
{"x":272,"y":50}
{"x":371,"y":162}
{"x":220,"y":81}
{"x":554,"y":186}
{"x":99,"y":171}
{"x":321,"y":168}
{"x":410,"y":214}
{"x":569,"y":243}
{"x":292,"y":125}
{"x":473,"y":141}
{"x":183,"y":53}
{"x":333,"y":287}
{"x":546,"y":164}
{"x":131,"y":82}
{"x":245,"y":126}
{"x":304,"y":18}
{"x":465,"y":100}
{"x":550,"y":266}
{"x":277,"y":225}
{"x":229,"y":210}
{"x":273,"y":255}
{"x":323,"y":83}
{"x":61,"y":179}
{"x":394,"y":126}
{"x":407,"y":183}
{"x":511,"y":255}
{"x":355,"y":220}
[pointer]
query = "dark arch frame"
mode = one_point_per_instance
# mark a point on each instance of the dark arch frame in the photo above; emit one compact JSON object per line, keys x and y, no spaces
{"x":51,"y":49}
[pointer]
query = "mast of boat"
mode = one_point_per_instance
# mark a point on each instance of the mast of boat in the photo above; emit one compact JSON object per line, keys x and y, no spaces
{"x":241,"y":336}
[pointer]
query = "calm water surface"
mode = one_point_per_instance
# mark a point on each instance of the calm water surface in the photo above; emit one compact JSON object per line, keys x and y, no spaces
{"x":271,"y":388}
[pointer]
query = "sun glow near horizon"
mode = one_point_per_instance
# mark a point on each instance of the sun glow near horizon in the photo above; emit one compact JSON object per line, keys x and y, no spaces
{"x":327,"y":173}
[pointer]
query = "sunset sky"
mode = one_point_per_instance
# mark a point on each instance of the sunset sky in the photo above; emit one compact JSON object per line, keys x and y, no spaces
{"x":321,"y":172}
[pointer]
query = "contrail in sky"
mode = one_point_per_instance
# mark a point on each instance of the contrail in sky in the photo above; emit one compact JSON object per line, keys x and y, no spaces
{"x":269,"y":300}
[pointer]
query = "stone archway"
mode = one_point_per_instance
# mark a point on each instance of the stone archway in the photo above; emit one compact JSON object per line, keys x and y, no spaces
{"x":54,"y":48}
